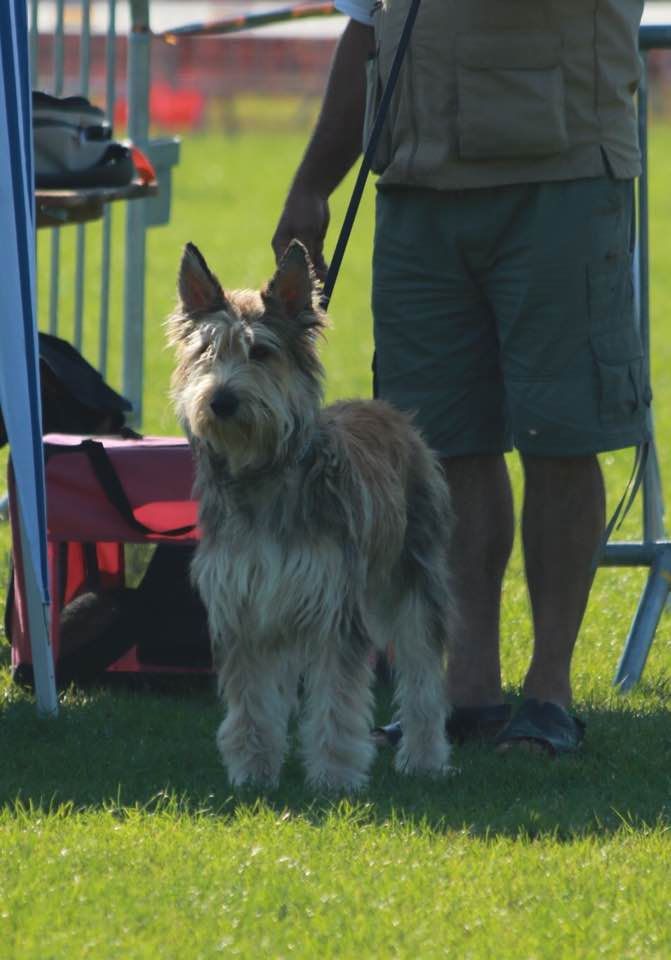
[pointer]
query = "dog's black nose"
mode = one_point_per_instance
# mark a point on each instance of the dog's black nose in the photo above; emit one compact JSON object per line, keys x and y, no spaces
{"x":224,"y":403}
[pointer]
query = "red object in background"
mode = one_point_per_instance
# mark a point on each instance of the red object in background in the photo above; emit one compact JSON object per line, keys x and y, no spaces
{"x":168,"y":108}
{"x":143,"y":165}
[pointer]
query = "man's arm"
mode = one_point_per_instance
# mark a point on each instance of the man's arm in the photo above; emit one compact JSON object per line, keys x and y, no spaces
{"x":333,"y":148}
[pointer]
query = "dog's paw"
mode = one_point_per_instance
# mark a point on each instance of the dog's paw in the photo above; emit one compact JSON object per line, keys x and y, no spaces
{"x":251,"y":771}
{"x":248,"y":758}
{"x":337,"y":781}
{"x":251,"y":780}
{"x":422,"y":762}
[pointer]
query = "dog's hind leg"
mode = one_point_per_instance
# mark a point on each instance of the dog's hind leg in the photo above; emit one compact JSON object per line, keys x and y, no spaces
{"x":338,"y":710}
{"x":419,"y":645}
{"x":423,"y":617}
{"x":252,"y":738}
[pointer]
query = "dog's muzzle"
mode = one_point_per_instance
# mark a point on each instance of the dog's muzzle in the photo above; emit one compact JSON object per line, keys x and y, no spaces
{"x":224,"y":403}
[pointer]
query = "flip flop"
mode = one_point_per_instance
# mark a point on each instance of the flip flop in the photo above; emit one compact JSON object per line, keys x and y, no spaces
{"x":463,"y":724}
{"x":542,"y":726}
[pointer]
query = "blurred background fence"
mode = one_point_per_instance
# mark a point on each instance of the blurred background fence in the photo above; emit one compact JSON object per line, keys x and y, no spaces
{"x":269,"y":77}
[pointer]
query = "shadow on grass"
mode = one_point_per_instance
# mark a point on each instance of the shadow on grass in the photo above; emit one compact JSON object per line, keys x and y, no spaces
{"x":121,"y":748}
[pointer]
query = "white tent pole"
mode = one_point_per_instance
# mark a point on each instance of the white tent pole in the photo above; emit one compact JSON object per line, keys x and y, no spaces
{"x":19,"y":370}
{"x":38,"y":621}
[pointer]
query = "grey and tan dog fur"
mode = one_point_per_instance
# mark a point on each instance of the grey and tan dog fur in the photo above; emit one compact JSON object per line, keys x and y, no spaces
{"x":324,"y":534}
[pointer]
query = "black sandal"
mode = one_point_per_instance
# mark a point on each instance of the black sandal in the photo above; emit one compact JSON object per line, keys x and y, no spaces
{"x":464,"y":724}
{"x":543,"y":726}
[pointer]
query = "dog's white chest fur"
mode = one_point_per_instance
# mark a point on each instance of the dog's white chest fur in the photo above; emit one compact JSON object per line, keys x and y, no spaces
{"x":269,"y":581}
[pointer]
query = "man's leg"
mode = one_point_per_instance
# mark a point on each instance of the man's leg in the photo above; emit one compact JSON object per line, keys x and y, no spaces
{"x":562,"y":524}
{"x":480,"y":549}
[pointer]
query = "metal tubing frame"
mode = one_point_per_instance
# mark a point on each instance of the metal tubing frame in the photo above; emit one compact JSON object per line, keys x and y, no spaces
{"x":654,"y":551}
{"x":139,"y":45}
{"x":80,"y":262}
{"x":59,"y":69}
{"x":138,"y":85}
{"x":110,"y":98}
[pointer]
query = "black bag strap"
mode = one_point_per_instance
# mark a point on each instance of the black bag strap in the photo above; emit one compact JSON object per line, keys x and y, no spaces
{"x":109,"y":480}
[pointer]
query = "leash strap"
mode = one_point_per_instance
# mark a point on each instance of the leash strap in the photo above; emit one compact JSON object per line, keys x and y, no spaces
{"x":626,"y":500}
{"x":111,"y":484}
{"x":367,"y":160}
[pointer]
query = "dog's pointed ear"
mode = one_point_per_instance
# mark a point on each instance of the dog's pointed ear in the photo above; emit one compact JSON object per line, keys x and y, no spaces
{"x":199,"y":290}
{"x":295,"y":282}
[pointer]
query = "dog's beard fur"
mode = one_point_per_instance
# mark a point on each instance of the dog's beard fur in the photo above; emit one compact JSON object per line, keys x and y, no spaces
{"x":323,"y":530}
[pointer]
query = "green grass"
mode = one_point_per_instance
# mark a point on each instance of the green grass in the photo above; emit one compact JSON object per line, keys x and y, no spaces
{"x":119,"y":834}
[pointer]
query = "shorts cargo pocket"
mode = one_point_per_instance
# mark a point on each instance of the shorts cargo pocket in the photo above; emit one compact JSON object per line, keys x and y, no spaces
{"x":620,"y":370}
{"x":511,"y":98}
{"x":381,"y":156}
{"x":615,"y":340}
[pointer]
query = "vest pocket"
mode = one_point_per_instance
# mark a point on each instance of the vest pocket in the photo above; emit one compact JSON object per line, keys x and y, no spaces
{"x":511,"y":98}
{"x":382,"y":153}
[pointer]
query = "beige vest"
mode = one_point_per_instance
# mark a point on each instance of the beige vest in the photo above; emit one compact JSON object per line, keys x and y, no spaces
{"x":496,"y":92}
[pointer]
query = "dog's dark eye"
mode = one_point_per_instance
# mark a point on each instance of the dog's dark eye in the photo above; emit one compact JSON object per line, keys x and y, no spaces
{"x":259,"y":353}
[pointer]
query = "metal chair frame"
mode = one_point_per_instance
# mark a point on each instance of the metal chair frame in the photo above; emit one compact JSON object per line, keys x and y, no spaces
{"x":141,"y":214}
{"x":654,"y":550}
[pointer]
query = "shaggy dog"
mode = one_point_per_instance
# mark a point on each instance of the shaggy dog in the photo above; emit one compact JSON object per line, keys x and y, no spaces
{"x":324,"y":534}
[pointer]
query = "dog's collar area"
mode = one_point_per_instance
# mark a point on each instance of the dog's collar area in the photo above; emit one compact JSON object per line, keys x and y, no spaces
{"x":261,"y":472}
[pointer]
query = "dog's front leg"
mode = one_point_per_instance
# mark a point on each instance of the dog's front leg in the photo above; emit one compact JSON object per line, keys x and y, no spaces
{"x":252,"y":737}
{"x":335,"y":730}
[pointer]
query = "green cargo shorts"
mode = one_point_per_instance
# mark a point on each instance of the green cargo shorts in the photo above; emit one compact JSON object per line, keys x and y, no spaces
{"x":505,"y":317}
